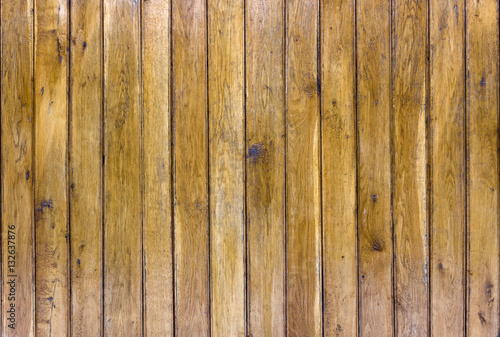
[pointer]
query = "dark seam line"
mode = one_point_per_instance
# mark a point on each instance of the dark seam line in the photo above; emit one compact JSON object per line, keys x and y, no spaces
{"x":172,"y":167}
{"x":319,"y":108}
{"x":245,"y":215}
{"x":428,"y":168}
{"x":207,"y":159}
{"x":69,"y":175}
{"x":392,"y":164}
{"x":103,"y":151}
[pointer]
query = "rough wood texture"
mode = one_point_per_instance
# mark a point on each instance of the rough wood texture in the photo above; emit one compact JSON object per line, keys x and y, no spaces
{"x":374,"y":168}
{"x":122,"y":165}
{"x":85,"y":163}
{"x":191,"y":169}
{"x":265,"y":144}
{"x":410,"y":168}
{"x":227,"y":166}
{"x":250,"y":167}
{"x":483,"y":185}
{"x":51,"y":179}
{"x":265,"y":160}
{"x":18,"y":302}
{"x":303,"y":195}
{"x":156,"y":160}
{"x":448,"y":168}
{"x":338,"y":76}
{"x":447,"y":118}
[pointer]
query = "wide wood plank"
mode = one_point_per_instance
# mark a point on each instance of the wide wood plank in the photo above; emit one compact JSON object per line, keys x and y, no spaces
{"x":191,"y":168}
{"x":157,"y":211}
{"x":374,"y":168}
{"x":122,"y":143}
{"x":338,"y":69}
{"x":410,"y":167}
{"x":265,"y":144}
{"x":447,"y":162}
{"x":51,"y":179}
{"x":483,"y":185}
{"x":86,"y":167}
{"x":18,"y":302}
{"x":227,"y":166}
{"x":303,"y":194}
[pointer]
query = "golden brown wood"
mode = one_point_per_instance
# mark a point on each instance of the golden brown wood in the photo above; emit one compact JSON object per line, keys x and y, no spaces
{"x":191,"y":168}
{"x":86,"y":168}
{"x":303,"y":168}
{"x":483,"y":185}
{"x":410,"y":168}
{"x":340,"y":280}
{"x":51,"y":180}
{"x":265,"y":143}
{"x":157,"y":211}
{"x":227,"y":166}
{"x":122,"y":140}
{"x":18,"y":303}
{"x":374,"y":168}
{"x":447,"y":168}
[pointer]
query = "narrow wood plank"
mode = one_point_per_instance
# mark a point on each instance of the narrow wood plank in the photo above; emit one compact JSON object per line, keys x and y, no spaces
{"x":410,"y":167}
{"x":51,"y":180}
{"x":340,"y":267}
{"x":191,"y":168}
{"x":483,"y":185}
{"x":157,"y":212}
{"x":303,"y":195}
{"x":265,"y":144}
{"x":86,"y":167}
{"x":18,"y":301}
{"x":374,"y":168}
{"x":122,"y":208}
{"x":227,"y":166}
{"x":447,"y":168}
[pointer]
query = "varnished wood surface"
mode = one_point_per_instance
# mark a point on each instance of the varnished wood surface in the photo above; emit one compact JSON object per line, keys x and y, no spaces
{"x":250,"y":168}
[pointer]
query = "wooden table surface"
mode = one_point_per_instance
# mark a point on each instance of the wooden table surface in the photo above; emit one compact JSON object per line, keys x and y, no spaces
{"x":250,"y":168}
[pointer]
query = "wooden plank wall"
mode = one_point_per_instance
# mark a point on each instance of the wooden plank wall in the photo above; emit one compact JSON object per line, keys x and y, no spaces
{"x":250,"y":168}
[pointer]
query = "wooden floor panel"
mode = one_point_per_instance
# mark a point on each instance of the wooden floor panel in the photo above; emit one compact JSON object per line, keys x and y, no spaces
{"x":250,"y":168}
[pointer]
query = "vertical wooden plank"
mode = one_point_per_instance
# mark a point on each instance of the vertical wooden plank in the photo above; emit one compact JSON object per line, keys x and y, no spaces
{"x":303,"y":168}
{"x":51,"y":151}
{"x":447,"y":168}
{"x":227,"y":166}
{"x":17,"y":168}
{"x":86,"y":167}
{"x":483,"y":185}
{"x":122,"y":218}
{"x":157,"y":212}
{"x":265,"y":160}
{"x":340,"y":280}
{"x":191,"y":168}
{"x":410,"y":167}
{"x":374,"y":170}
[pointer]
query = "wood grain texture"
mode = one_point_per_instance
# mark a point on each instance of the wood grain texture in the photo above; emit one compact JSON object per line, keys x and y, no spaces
{"x":338,"y":75}
{"x":483,"y":185}
{"x":156,"y":159}
{"x":51,"y":164}
{"x":191,"y":169}
{"x":122,"y":143}
{"x":227,"y":166}
{"x":85,"y":164}
{"x":410,"y":168}
{"x":374,"y":168}
{"x":265,"y":160}
{"x":447,"y":168}
{"x":303,"y":194}
{"x":17,"y":168}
